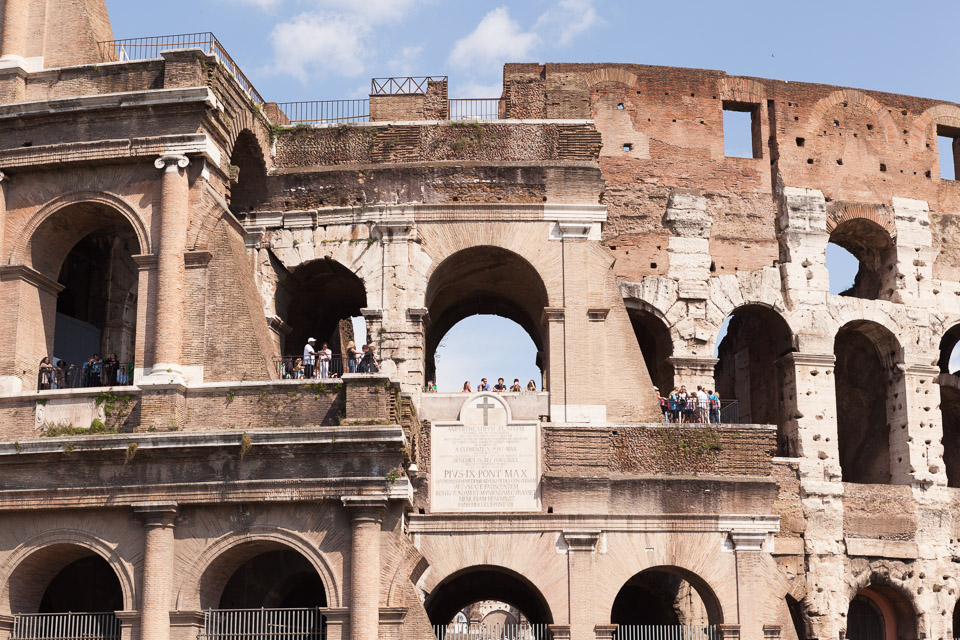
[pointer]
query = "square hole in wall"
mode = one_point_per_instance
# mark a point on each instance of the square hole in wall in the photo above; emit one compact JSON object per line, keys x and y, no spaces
{"x":628,"y":146}
{"x":948,"y":147}
{"x":741,"y":130}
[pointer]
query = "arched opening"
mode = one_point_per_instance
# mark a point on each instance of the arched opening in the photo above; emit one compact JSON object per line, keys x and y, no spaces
{"x":45,"y":582}
{"x":484,"y":596}
{"x":747,"y":370}
{"x":317,"y":300}
{"x":248,"y":175}
{"x":257,"y":587}
{"x":868,"y":384}
{"x":665,"y":597}
{"x":875,"y":253}
{"x":486,"y":281}
{"x":880,"y":612}
{"x":458,"y":359}
{"x":653,"y":336}
{"x":90,"y":325}
{"x":950,"y":403}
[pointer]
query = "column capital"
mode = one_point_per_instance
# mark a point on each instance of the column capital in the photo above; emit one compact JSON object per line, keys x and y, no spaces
{"x":581,"y":541}
{"x":605,"y":631}
{"x":729,"y":631}
{"x":156,"y":514}
{"x":365,"y":508}
{"x":694,"y":363}
{"x":801,"y":359}
{"x":560,"y":631}
{"x":172,"y":162}
{"x":771,"y":632}
{"x":915,"y":369}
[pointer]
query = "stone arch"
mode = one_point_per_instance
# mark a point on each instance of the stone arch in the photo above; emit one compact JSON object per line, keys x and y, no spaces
{"x":611,"y":74}
{"x":486,"y":582}
{"x":245,"y":120}
{"x":21,"y":250}
{"x":923,"y":127}
{"x":247,"y":173}
{"x":746,"y":90}
{"x":484,"y":279}
{"x":409,"y":571}
{"x":705,"y":592}
{"x":207,"y":575}
{"x":892,"y":598}
{"x":880,"y":215}
{"x":65,"y":546}
{"x":656,"y":339}
{"x":856,"y":98}
{"x":868,"y":233}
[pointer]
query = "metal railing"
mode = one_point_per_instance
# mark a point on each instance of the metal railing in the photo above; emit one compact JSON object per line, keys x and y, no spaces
{"x":665,"y":632}
{"x":74,"y":376}
{"x":293,"y":367}
{"x":402,"y":86}
{"x":474,"y":108}
{"x":66,"y":626}
{"x":326,"y":111}
{"x":699,"y":412}
{"x":151,"y":46}
{"x":482,"y":631}
{"x":263,"y":624}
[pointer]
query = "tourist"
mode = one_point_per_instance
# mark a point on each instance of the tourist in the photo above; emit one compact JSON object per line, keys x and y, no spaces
{"x":483,"y":385}
{"x":689,"y":405}
{"x":60,"y":375}
{"x":353,"y":356}
{"x":110,"y":366}
{"x":324,"y":356}
{"x":369,"y":362}
{"x":309,"y":353}
{"x":466,"y":387}
{"x":663,"y":403}
{"x":516,"y":388}
{"x":677,"y":404}
{"x":430,"y":387}
{"x":531,"y":386}
{"x":703,"y":404}
{"x":500,"y":387}
{"x":46,"y":374}
{"x":714,"y":407}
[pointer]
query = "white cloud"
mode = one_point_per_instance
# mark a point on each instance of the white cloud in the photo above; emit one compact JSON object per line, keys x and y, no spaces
{"x":263,"y":4}
{"x":335,"y":36}
{"x":407,"y":62}
{"x":567,"y":20}
{"x":478,"y":90}
{"x":497,"y":39}
{"x":316,"y":43}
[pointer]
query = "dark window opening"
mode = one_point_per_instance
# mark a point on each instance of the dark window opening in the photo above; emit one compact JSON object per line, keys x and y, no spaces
{"x":281,"y":579}
{"x":862,"y":247}
{"x":665,"y":596}
{"x":948,"y":148}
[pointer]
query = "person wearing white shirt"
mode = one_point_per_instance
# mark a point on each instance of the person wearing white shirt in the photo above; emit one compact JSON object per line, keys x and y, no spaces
{"x":324,"y":356}
{"x":309,"y":353}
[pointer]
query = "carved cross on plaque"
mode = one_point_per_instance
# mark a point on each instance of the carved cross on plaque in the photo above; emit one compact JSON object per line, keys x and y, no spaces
{"x":486,"y":405}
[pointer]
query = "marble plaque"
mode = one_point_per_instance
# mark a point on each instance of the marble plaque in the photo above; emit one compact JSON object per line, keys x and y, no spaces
{"x":485,"y":461}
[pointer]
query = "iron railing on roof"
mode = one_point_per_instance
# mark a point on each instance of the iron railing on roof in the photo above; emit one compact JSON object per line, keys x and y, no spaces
{"x":402,"y":86}
{"x":151,"y":46}
{"x":66,"y":626}
{"x":326,"y":111}
{"x":474,"y":108}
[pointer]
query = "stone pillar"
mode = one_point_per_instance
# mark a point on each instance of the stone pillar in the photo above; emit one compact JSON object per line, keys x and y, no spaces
{"x":553,"y":320}
{"x":6,"y":627}
{"x":772,"y":632}
{"x":129,"y":624}
{"x":605,"y":631}
{"x":691,"y":371}
{"x":146,"y":317}
{"x":158,"y":560}
{"x":750,"y":585}
{"x":366,"y":515}
{"x":729,"y":631}
{"x":335,"y":622}
{"x":28,"y":308}
{"x":802,"y":220}
{"x":809,"y":420}
{"x":174,"y":219}
{"x":581,"y":558}
{"x":920,"y":444}
{"x":912,"y":283}
{"x":13,"y":45}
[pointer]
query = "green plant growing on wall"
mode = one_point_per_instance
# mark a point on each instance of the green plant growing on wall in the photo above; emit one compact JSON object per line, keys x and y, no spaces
{"x":393,"y":476}
{"x":130,"y":453}
{"x":116,"y":408}
{"x":231,"y":394}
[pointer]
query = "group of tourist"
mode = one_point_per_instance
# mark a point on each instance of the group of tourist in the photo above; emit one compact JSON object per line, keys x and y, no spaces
{"x":483,"y":385}
{"x":696,"y":407}
{"x":316,"y":363}
{"x":95,"y":372}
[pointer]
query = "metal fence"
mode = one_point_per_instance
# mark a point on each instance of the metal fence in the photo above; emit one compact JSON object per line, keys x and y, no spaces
{"x":293,"y":368}
{"x":665,"y":632}
{"x":151,"y":46}
{"x":66,"y":626}
{"x":481,"y":631}
{"x":692,"y":412}
{"x":263,"y":624}
{"x":326,"y":111}
{"x":474,"y":108}
{"x":76,"y":376}
{"x":402,"y":86}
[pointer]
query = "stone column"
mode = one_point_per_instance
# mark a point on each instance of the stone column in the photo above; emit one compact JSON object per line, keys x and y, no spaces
{"x":366,"y":515}
{"x":158,"y":560}
{"x":553,"y":320}
{"x":581,"y":558}
{"x":809,"y":420}
{"x":921,"y":443}
{"x":174,"y":218}
{"x":13,"y":46}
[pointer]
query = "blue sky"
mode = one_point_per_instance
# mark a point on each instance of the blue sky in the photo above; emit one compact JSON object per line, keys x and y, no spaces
{"x":329,"y":49}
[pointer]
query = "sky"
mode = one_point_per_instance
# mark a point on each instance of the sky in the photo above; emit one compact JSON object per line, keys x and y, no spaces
{"x":329,"y":49}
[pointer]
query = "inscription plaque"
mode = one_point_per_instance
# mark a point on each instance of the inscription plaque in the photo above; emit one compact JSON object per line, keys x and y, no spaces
{"x":485,"y":461}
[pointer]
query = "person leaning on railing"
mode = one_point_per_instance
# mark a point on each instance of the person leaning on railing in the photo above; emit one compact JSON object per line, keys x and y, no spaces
{"x":45,"y":380}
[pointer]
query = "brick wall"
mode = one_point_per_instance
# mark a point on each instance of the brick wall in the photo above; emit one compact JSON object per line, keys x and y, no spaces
{"x":264,"y":406}
{"x":734,"y":451}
